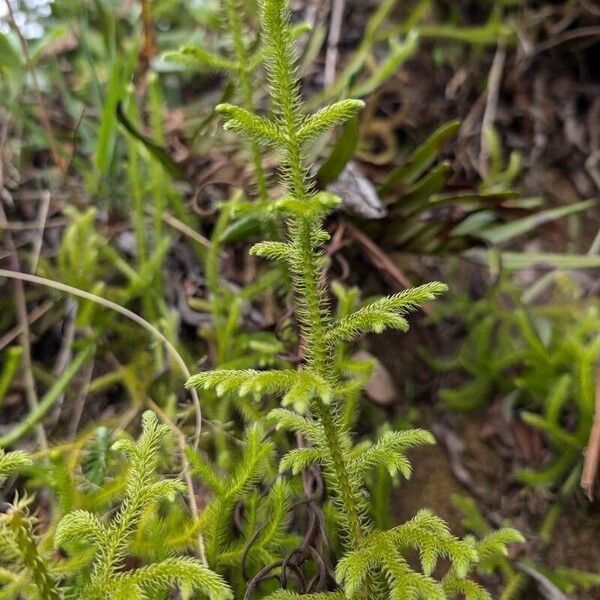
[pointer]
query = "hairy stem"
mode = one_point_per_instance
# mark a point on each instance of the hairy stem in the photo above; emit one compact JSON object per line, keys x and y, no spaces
{"x":320,"y":360}
{"x":308,"y":286}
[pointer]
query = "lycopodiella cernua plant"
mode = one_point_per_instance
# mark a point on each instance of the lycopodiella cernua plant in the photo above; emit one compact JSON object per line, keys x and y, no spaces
{"x":119,"y":529}
{"x":98,"y":546}
{"x":374,"y":563}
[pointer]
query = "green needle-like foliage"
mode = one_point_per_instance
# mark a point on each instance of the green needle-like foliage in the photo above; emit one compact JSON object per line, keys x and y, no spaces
{"x":541,"y":357}
{"x":297,"y":388}
{"x":11,"y":462}
{"x":111,"y":539}
{"x":20,"y":524}
{"x":19,"y":547}
{"x":374,"y":563}
{"x":287,"y":595}
{"x":265,"y":518}
{"x":241,"y":69}
{"x":116,"y":518}
{"x":385,"y":313}
{"x":20,"y":551}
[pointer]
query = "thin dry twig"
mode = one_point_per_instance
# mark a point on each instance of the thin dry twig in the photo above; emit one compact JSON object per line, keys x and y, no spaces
{"x":41,"y":221}
{"x":592,"y":452}
{"x":567,"y":36}
{"x":491,"y":106}
{"x":333,"y":40}
{"x":3,"y":140}
{"x":28,"y":226}
{"x":382,"y":261}
{"x":37,"y":313}
{"x":591,"y":7}
{"x":178,"y":225}
{"x":79,"y":402}
{"x":24,"y":334}
{"x":62,"y":287}
{"x":149,"y":44}
{"x":65,"y":354}
{"x":378,"y":257}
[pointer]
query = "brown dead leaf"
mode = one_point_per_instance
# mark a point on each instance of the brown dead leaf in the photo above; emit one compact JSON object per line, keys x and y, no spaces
{"x":381,"y":387}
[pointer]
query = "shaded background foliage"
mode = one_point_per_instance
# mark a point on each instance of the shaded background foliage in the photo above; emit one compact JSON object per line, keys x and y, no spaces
{"x":114,"y":163}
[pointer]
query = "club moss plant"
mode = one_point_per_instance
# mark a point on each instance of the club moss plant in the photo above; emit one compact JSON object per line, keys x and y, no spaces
{"x":374,"y":563}
{"x":118,"y":528}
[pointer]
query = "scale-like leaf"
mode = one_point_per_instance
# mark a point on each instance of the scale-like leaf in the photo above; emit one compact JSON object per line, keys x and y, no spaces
{"x":256,"y":128}
{"x":159,"y":577}
{"x":328,"y":117}
{"x":385,"y":313}
{"x":299,"y":459}
{"x":389,"y":451}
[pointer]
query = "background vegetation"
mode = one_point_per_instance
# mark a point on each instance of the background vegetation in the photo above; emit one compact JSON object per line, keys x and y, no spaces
{"x":145,"y":243}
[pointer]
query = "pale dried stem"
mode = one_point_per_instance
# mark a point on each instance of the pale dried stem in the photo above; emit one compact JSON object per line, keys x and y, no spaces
{"x":25,"y":338}
{"x":592,"y":452}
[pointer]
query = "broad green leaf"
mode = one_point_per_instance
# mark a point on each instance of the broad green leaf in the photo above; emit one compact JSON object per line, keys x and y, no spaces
{"x":484,"y":35}
{"x":154,"y":149}
{"x":417,"y":197}
{"x":108,"y":123}
{"x":421,"y":159}
{"x":244,"y":228}
{"x":341,"y":154}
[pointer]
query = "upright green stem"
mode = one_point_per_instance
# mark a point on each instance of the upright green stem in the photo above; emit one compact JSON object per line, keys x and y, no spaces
{"x":320,"y":360}
{"x":308,"y":290}
{"x":235,"y":26}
